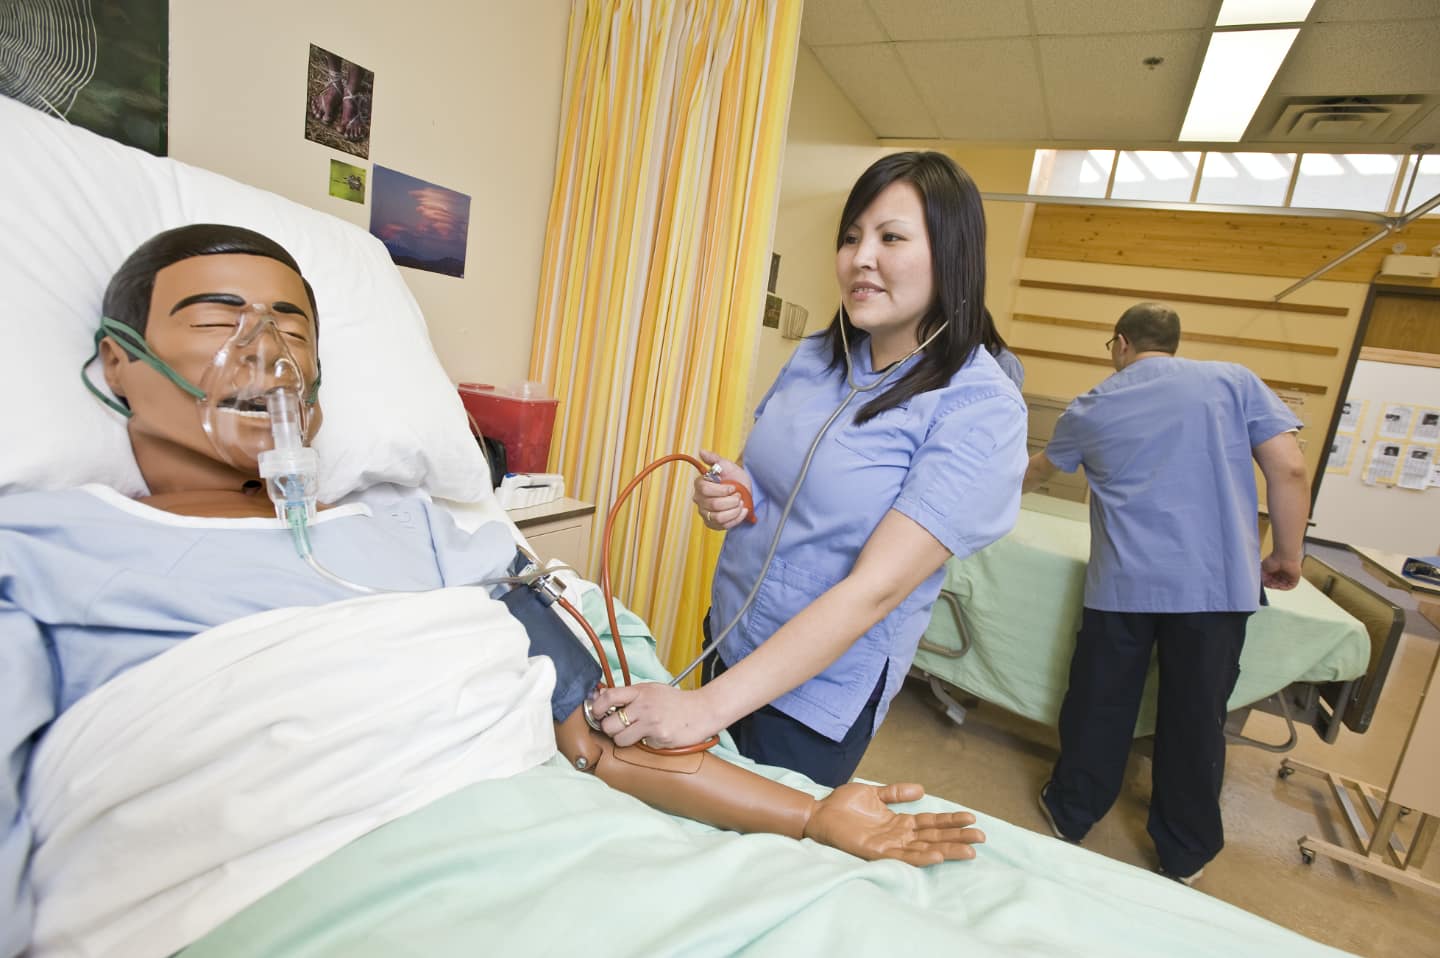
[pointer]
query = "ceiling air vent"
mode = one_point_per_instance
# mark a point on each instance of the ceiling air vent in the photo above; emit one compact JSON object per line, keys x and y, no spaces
{"x":1346,"y":119}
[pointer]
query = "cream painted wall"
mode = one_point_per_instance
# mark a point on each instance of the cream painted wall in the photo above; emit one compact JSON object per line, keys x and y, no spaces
{"x":827,"y":146}
{"x":1007,"y":225}
{"x":467,"y":95}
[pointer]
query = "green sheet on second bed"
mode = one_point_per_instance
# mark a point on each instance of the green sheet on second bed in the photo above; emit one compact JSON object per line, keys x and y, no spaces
{"x":1021,"y":601}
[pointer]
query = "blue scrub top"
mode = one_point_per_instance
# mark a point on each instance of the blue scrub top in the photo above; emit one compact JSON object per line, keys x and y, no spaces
{"x":1009,"y":364}
{"x":1166,"y":445}
{"x":951,"y":459}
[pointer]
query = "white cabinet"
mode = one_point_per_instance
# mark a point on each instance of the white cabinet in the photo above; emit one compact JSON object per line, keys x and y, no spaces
{"x":559,"y":529}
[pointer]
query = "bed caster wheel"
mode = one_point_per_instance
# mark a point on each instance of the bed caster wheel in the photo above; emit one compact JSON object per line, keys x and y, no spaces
{"x":1286,"y":771}
{"x":1307,"y":856}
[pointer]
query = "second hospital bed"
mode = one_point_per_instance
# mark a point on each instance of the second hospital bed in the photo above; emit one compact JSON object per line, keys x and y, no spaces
{"x":1005,"y":630}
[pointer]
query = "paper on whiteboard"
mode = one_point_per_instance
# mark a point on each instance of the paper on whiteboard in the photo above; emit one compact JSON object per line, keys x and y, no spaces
{"x":1340,"y":451}
{"x":1416,"y":467}
{"x":1352,"y":411}
{"x":1427,"y":427}
{"x":1395,"y":421}
{"x":1384,"y":457}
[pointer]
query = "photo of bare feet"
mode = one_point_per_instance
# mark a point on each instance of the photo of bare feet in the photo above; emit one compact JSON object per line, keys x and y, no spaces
{"x":337,"y":103}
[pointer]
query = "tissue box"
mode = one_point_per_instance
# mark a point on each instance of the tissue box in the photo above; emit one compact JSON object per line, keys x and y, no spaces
{"x":518,"y":490}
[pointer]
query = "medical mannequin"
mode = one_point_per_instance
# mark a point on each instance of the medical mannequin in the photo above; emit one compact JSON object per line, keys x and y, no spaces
{"x":194,"y":278}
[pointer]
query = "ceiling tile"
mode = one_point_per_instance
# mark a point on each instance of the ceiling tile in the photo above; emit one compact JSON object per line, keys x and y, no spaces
{"x":1331,"y":10}
{"x":873,"y":80}
{"x":827,"y":22}
{"x":1425,"y":131}
{"x":1334,"y":58}
{"x":951,"y":20}
{"x":1097,"y":88}
{"x":1122,"y":16}
{"x":979,"y":89}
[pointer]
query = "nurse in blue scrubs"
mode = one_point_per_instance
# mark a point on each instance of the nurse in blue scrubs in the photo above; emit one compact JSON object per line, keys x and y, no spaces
{"x":921,"y":466}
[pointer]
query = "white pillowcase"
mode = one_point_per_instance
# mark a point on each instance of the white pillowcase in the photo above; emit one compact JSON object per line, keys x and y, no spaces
{"x":73,"y":205}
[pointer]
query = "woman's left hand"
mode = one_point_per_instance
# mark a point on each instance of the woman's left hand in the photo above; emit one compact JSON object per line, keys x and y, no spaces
{"x":664,"y":716}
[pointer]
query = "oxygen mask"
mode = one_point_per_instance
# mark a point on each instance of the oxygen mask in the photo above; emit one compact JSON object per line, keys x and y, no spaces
{"x":253,"y":392}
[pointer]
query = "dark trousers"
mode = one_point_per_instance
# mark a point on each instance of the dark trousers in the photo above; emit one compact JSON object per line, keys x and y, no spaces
{"x":771,"y":737}
{"x":1199,"y":661}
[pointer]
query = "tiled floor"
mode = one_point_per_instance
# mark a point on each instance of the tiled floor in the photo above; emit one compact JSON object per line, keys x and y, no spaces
{"x":996,"y":762}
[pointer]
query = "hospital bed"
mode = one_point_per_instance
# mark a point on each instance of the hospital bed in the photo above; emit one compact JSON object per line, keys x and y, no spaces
{"x":542,"y":861}
{"x":1005,"y":631}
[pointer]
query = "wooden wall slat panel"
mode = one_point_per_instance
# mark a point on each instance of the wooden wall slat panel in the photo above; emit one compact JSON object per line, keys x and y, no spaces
{"x":1257,"y":245}
{"x":1189,"y":337}
{"x":1165,"y":296}
{"x":1310,"y":388}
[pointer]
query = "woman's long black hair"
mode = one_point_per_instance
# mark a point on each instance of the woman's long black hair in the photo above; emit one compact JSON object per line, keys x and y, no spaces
{"x":955,"y":223}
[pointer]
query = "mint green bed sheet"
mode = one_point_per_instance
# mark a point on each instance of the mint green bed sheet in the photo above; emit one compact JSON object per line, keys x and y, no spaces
{"x":1021,"y":600}
{"x":554,"y":862}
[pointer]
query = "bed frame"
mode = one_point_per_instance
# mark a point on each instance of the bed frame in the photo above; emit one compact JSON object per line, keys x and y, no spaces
{"x":1324,"y":706}
{"x":1327,"y":706}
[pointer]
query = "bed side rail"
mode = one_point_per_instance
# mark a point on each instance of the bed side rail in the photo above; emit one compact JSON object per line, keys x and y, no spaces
{"x":1353,"y":703}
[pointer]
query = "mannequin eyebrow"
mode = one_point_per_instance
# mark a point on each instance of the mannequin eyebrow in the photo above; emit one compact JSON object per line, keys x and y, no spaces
{"x":230,"y":299}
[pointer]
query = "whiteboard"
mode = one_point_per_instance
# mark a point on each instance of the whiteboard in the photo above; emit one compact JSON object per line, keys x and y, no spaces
{"x":1381,"y":516}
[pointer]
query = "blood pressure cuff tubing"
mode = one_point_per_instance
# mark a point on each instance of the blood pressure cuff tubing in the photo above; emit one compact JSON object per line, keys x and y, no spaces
{"x":576,"y":671}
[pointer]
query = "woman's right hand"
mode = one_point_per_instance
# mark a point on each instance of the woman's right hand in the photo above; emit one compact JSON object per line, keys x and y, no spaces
{"x":720,"y":506}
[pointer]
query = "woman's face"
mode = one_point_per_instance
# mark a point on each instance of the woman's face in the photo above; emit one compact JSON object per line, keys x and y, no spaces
{"x":883,"y":265}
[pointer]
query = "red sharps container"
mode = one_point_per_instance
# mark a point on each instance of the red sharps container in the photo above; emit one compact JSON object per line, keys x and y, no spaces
{"x":521,"y":417}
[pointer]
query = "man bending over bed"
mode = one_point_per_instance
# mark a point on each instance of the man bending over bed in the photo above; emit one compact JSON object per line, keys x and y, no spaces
{"x":93,"y":584}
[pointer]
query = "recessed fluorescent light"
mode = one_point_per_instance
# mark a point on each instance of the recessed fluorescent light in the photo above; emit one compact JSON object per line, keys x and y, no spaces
{"x":1236,"y":73}
{"x":1241,"y":12}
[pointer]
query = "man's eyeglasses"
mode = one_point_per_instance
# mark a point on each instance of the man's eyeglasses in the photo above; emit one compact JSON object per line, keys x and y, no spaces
{"x":1111,"y":341}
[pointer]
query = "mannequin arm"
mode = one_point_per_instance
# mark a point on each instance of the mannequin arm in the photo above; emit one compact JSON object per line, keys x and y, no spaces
{"x":854,"y":818}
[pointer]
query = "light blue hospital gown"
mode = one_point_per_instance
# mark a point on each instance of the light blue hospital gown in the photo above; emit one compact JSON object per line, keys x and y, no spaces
{"x":92,"y":584}
{"x":1166,"y":445}
{"x":951,"y":459}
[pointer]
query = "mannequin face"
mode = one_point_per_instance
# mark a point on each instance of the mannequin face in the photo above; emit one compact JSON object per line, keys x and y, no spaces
{"x":193,"y":311}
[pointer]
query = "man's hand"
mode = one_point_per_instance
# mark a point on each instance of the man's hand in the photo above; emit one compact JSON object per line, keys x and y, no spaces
{"x":1039,"y":470}
{"x":1278,"y":573}
{"x":855,"y":818}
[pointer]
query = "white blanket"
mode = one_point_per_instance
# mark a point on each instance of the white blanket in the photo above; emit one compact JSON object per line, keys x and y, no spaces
{"x":187,"y":788}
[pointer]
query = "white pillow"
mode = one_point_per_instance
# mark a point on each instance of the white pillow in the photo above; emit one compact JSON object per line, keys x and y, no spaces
{"x":73,"y":205}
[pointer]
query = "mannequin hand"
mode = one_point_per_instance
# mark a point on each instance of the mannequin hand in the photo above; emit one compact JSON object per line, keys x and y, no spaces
{"x":1278,"y":573}
{"x":663,"y":716}
{"x":855,"y":818}
{"x":719,"y":503}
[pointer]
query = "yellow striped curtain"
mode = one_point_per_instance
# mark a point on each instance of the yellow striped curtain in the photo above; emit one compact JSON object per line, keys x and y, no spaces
{"x":656,"y":259}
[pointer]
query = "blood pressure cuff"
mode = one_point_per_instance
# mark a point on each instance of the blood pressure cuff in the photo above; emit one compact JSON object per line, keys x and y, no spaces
{"x":576,"y":671}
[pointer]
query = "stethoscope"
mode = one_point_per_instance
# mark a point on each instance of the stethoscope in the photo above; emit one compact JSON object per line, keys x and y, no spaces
{"x":708,"y":649}
{"x":543,"y":579}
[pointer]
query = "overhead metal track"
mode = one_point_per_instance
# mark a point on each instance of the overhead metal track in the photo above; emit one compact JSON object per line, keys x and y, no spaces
{"x":1393,"y":224}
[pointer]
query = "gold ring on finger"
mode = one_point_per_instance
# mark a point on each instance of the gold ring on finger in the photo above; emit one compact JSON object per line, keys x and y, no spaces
{"x":624,"y":719}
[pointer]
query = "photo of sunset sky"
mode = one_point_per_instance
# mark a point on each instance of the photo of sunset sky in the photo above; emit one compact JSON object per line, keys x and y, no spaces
{"x":424,"y":226}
